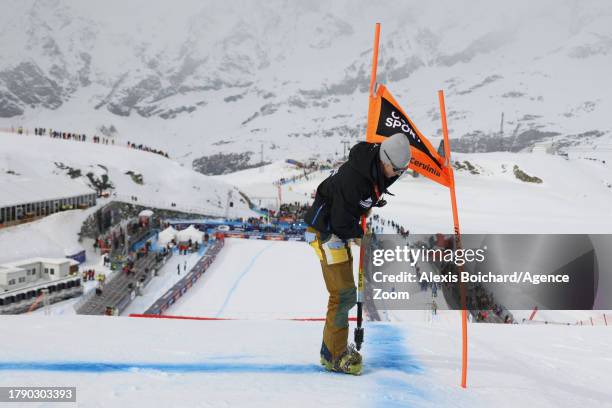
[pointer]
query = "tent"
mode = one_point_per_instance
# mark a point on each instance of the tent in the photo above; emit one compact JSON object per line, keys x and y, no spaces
{"x":190,"y":233}
{"x":166,"y":236}
{"x":145,"y":213}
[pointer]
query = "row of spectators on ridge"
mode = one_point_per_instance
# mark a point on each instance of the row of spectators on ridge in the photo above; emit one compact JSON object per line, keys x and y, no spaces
{"x":82,"y":137}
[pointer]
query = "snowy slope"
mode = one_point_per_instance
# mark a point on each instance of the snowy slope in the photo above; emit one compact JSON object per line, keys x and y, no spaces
{"x":54,"y":236}
{"x":252,"y":279}
{"x":125,"y":362}
{"x":574,"y":196}
{"x":164,"y":180}
{"x":260,"y":183}
{"x":258,"y":279}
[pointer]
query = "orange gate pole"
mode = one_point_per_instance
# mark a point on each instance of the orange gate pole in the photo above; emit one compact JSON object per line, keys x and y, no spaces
{"x":374,"y":59}
{"x":464,"y":348}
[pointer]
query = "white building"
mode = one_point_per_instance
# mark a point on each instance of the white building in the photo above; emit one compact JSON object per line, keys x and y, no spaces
{"x":24,"y":199}
{"x":21,"y":274}
{"x":22,"y":282}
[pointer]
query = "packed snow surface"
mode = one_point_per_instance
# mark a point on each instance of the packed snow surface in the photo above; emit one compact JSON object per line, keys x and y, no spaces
{"x":150,"y":362}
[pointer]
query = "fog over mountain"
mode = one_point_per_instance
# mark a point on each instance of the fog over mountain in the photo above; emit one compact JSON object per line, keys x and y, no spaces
{"x":202,"y":77}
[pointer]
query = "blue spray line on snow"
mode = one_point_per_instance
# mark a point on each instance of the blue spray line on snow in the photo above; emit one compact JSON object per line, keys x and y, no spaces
{"x":387,"y":353}
{"x":242,"y":275}
{"x":386,"y":358}
{"x":210,"y":367}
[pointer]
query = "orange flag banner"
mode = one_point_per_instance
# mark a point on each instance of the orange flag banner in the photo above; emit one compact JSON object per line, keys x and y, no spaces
{"x":386,"y":118}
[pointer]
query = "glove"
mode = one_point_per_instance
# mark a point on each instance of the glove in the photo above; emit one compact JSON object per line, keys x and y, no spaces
{"x":355,"y":241}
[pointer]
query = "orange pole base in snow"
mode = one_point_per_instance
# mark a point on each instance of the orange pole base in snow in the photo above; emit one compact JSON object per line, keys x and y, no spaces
{"x":533,"y":313}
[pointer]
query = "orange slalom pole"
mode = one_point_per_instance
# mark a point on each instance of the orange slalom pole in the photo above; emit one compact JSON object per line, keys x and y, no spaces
{"x":374,"y":59}
{"x":464,"y":349}
{"x":533,"y":313}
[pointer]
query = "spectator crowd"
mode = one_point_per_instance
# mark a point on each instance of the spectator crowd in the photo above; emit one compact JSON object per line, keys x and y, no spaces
{"x":82,"y":137}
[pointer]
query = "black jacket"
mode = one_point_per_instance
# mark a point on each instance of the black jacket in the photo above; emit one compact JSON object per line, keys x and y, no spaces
{"x":347,"y":194}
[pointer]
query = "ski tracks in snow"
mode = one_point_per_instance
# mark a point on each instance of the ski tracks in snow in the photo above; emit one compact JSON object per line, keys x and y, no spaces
{"x":244,"y":272}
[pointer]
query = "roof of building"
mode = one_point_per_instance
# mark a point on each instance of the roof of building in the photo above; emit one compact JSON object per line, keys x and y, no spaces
{"x":8,"y":269}
{"x":16,"y":191}
{"x":56,"y":261}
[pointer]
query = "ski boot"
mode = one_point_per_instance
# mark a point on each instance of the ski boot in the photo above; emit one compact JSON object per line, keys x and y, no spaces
{"x":349,"y":362}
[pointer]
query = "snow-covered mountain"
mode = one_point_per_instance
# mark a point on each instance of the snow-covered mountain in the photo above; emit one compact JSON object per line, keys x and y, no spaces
{"x":200,"y":77}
